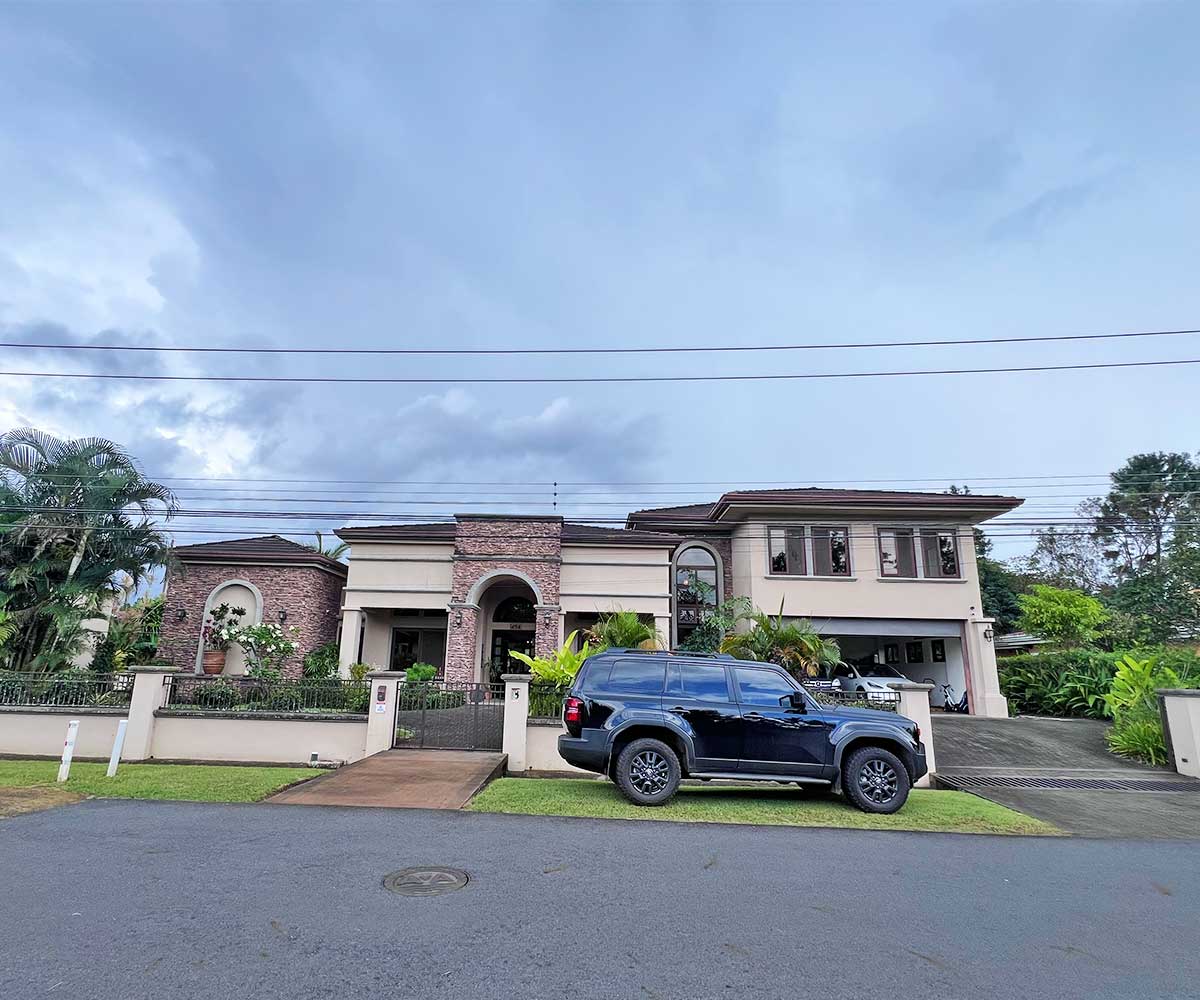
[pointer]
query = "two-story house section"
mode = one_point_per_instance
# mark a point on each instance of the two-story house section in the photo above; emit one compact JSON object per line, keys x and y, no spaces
{"x":891,"y":575}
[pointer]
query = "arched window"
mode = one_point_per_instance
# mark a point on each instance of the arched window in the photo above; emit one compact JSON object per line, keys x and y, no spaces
{"x":697,"y":588}
{"x":516,"y":610}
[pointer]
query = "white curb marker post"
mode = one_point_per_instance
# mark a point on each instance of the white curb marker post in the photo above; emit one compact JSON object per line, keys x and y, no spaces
{"x":68,"y":750}
{"x":118,"y":743}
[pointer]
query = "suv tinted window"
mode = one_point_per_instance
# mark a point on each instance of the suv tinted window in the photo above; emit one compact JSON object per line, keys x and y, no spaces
{"x":761,"y":687}
{"x":636,"y":677}
{"x":704,"y":680}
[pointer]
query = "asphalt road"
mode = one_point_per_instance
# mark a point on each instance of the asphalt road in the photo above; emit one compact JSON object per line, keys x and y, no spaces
{"x":122,"y":900}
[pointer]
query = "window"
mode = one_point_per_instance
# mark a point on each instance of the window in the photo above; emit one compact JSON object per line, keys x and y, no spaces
{"x":696,"y":588}
{"x":705,"y":681}
{"x":937,"y":650}
{"x":897,"y":556}
{"x":637,"y":677}
{"x":785,"y":547}
{"x":891,"y":653}
{"x":831,"y":551}
{"x":939,"y":550}
{"x":762,"y":687}
{"x":518,"y":610}
{"x":411,"y":646}
{"x":914,"y":652}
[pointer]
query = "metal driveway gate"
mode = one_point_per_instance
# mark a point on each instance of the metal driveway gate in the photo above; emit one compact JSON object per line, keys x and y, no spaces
{"x":450,"y":716}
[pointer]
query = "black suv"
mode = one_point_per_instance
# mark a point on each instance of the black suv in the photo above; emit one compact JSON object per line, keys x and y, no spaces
{"x":650,"y":719}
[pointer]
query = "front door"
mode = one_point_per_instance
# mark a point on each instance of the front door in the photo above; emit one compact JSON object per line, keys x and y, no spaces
{"x":504,"y":641}
{"x":698,"y":695}
{"x":777,"y":738}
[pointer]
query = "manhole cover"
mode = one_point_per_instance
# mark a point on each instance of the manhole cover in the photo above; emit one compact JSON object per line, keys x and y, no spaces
{"x":425,"y":881}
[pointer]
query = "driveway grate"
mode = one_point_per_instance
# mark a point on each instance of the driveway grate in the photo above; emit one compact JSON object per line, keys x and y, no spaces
{"x":969,"y":781}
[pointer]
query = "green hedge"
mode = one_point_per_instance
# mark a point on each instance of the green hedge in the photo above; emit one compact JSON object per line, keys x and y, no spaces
{"x":1073,"y":682}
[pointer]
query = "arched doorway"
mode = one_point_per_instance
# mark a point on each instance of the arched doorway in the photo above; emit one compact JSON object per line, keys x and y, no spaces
{"x":511,"y":626}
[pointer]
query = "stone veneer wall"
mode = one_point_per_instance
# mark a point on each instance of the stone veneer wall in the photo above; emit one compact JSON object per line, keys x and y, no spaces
{"x":311,"y":597}
{"x":531,"y":548}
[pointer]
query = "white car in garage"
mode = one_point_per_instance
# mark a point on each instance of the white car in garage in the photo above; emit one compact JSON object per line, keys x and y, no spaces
{"x":869,"y":680}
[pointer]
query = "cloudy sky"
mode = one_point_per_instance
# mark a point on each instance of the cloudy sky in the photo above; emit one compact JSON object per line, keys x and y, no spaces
{"x":527,"y":175}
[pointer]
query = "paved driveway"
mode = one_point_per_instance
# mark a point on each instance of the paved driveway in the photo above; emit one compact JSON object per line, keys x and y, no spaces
{"x":1002,"y":759}
{"x":111,"y":899}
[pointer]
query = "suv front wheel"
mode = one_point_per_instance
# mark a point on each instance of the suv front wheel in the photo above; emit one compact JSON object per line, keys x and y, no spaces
{"x":875,"y":780}
{"x":648,"y":772}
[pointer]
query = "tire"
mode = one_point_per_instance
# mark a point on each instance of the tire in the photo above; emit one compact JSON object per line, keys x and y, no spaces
{"x":648,"y":772}
{"x":875,"y":780}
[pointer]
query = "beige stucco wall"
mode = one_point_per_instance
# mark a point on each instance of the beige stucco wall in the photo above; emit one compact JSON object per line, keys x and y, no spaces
{"x":274,"y":740}
{"x":864,"y":594}
{"x":41,"y":734}
{"x":399,"y":575}
{"x":541,"y":750}
{"x":603,"y":577}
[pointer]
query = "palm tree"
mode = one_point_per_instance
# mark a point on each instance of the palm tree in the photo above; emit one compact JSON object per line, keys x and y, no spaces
{"x":623,"y":630}
{"x":332,"y":551}
{"x":73,"y":516}
{"x":796,"y":646}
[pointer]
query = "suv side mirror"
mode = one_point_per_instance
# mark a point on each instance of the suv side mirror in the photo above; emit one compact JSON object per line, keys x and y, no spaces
{"x":794,"y":700}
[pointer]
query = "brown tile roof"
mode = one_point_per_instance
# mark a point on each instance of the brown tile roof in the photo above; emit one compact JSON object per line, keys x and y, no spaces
{"x":815,"y":496}
{"x":272,"y":549}
{"x":573,"y":532}
{"x":443,"y":531}
{"x":434,"y":531}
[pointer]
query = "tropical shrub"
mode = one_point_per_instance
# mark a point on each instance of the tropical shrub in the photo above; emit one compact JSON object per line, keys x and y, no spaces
{"x":359,"y":671}
{"x":561,"y":666}
{"x":1139,"y":735}
{"x":267,"y":647}
{"x":320,"y":663}
{"x":420,"y":673}
{"x":218,"y":693}
{"x":1137,"y":729}
{"x":1064,"y":617}
{"x":623,"y":630}
{"x":717,"y":624}
{"x":1069,"y":683}
{"x":796,"y":646}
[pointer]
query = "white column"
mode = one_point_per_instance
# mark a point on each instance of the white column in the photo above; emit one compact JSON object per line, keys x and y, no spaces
{"x":149,"y":693}
{"x":1180,"y":709}
{"x":663,"y":624}
{"x":516,"y":721}
{"x":980,"y":654}
{"x":352,"y":620}
{"x":381,"y":714}
{"x":914,"y":704}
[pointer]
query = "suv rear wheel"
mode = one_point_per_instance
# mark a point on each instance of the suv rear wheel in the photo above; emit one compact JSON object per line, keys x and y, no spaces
{"x":875,"y":780}
{"x":648,"y":772}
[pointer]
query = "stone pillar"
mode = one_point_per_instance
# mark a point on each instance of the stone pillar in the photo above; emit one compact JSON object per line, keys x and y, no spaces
{"x":662,"y":624}
{"x":914,"y":704}
{"x":1180,"y":710}
{"x":548,"y":636}
{"x":516,"y":721}
{"x":352,"y":620}
{"x":381,"y":714}
{"x":462,"y":640}
{"x":980,"y":656}
{"x":149,"y":694}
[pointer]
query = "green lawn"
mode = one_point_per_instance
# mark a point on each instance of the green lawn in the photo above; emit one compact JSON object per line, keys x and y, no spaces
{"x":762,"y":805}
{"x":192,"y":782}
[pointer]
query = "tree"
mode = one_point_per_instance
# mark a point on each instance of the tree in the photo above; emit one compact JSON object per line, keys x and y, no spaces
{"x":794,"y":645}
{"x":331,"y":550}
{"x":76,"y":515}
{"x":1070,"y":558}
{"x":1064,"y":617}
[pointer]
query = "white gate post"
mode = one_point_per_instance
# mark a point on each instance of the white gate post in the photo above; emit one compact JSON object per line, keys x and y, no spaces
{"x":64,"y":769}
{"x":381,"y":713}
{"x":914,"y":704}
{"x":516,"y":721}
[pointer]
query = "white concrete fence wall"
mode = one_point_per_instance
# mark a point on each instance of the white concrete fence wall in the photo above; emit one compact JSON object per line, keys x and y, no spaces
{"x":1180,"y":709}
{"x":34,"y":731}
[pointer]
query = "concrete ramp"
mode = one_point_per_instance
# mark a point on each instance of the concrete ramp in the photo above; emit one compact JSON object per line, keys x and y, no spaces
{"x":401,"y":779}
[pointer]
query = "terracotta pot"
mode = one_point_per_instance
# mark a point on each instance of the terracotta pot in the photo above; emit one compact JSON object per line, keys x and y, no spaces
{"x":213,"y":661}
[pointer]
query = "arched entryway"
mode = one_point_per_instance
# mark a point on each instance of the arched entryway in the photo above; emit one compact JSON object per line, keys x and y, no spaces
{"x":509,"y":616}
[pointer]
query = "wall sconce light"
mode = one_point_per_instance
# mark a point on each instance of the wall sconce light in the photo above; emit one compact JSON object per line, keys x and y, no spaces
{"x":988,"y":633}
{"x":457,"y":618}
{"x":180,"y":614}
{"x":282,"y":616}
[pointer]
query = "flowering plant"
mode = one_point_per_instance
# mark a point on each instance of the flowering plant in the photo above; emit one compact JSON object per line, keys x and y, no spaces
{"x":267,"y":647}
{"x":222,"y":627}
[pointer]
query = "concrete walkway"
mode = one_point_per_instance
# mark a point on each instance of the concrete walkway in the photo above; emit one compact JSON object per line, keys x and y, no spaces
{"x":401,"y":779}
{"x":1072,"y":754}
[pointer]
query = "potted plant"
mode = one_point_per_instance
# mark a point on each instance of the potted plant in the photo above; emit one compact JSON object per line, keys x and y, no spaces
{"x":221,"y":629}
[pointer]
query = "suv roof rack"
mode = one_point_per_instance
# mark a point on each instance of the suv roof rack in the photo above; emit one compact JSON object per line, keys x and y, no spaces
{"x":668,"y":652}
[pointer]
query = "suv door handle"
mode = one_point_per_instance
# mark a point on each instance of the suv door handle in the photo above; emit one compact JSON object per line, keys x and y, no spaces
{"x":753,"y":715}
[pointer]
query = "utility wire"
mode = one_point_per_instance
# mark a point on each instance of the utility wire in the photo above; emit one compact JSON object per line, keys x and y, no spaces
{"x":593,"y":379}
{"x":409,"y":351}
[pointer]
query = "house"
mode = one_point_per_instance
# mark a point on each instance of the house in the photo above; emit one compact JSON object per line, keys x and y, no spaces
{"x":891,"y":575}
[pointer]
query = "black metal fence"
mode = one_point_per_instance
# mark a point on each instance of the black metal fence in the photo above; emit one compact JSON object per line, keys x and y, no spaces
{"x":70,"y":689}
{"x":250,"y":694}
{"x":546,"y":700}
{"x":884,"y":701}
{"x":445,"y":716}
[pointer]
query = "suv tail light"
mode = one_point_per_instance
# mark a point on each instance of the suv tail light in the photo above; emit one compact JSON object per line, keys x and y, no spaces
{"x":572,"y":710}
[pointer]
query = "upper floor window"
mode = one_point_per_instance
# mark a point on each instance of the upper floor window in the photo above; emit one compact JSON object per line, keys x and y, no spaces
{"x":938,"y":550}
{"x":788,"y":550}
{"x":697,"y":590}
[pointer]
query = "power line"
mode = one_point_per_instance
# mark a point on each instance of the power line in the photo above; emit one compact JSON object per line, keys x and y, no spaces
{"x":492,"y":351}
{"x":597,"y":379}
